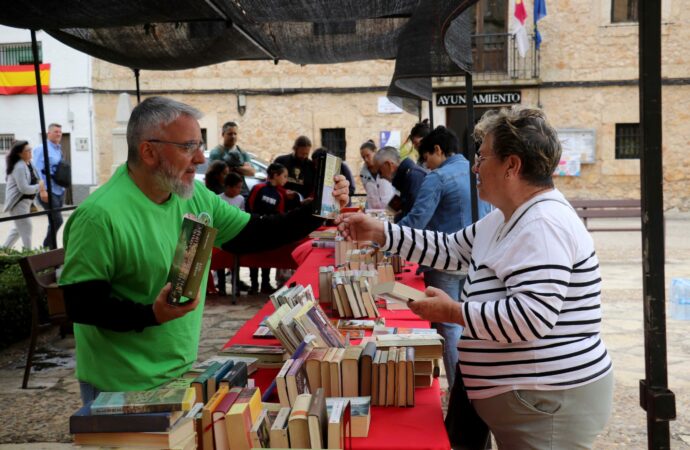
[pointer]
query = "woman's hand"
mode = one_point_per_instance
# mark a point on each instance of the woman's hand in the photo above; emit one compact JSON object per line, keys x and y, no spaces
{"x":360,"y":227}
{"x":437,"y":306}
{"x":341,"y":190}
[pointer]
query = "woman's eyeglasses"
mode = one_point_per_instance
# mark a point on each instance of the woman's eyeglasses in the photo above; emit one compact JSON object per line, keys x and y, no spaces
{"x":479,"y":159}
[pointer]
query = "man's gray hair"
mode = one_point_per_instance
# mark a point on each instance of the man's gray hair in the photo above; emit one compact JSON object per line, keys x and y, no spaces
{"x":151,"y":114}
{"x":387,"y":154}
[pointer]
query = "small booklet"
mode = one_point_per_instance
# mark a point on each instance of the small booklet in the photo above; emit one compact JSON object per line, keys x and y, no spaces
{"x":325,"y":205}
{"x":191,"y":257}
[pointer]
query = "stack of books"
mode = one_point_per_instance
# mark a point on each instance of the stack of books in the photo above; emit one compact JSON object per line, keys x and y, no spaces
{"x":291,"y":324}
{"x":428,"y":351}
{"x":351,"y":293}
{"x":313,"y":422}
{"x":161,"y":418}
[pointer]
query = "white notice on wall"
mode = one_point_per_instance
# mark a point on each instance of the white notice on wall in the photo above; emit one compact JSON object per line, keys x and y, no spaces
{"x":580,"y":141}
{"x":389,"y":138}
{"x":388,"y":107}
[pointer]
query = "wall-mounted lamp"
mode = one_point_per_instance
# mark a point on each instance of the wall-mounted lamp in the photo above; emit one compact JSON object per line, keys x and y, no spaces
{"x":241,"y":104}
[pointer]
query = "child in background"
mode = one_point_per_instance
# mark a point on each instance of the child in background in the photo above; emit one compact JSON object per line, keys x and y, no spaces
{"x":233,"y":188}
{"x":232,"y":185}
{"x":267,"y":198}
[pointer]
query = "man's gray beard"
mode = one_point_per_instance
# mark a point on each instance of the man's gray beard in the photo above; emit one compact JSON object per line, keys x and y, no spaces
{"x":168,"y":181}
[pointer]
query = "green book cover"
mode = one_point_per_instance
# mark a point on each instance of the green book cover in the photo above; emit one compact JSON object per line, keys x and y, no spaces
{"x":155,"y":400}
{"x":325,"y":205}
{"x":192,"y":255}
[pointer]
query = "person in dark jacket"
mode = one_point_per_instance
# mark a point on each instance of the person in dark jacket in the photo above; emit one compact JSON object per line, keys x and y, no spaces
{"x":406,"y":176}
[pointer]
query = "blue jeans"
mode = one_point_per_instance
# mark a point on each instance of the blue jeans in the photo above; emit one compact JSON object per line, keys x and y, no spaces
{"x":57,"y":202}
{"x":451,"y":284}
{"x":88,"y":392}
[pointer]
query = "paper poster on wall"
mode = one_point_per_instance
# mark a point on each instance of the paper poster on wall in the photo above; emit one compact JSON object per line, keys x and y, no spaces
{"x":387,"y":107}
{"x":389,"y":138}
{"x":569,"y":165}
{"x":579,"y":140}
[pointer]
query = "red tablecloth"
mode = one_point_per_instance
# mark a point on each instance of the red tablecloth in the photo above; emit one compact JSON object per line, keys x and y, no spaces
{"x":392,"y":428}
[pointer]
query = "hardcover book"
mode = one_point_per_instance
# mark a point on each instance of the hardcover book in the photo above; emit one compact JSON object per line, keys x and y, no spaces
{"x":206,"y":438}
{"x":83,"y":421}
{"x":298,"y":426}
{"x":325,"y":205}
{"x":156,"y":400}
{"x":339,"y":426}
{"x":177,"y":437}
{"x":192,"y":255}
{"x":360,"y":409}
{"x":318,"y":420}
{"x":279,"y":430}
{"x":397,"y":292}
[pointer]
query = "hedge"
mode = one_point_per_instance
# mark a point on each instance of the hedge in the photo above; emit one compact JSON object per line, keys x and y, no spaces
{"x":15,"y":305}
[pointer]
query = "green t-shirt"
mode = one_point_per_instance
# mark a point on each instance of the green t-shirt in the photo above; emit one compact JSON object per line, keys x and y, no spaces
{"x":121,"y":236}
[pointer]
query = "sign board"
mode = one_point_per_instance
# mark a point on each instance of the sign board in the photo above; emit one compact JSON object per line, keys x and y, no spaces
{"x":389,"y":138}
{"x":385,"y":106}
{"x":580,"y":141}
{"x":480,"y":98}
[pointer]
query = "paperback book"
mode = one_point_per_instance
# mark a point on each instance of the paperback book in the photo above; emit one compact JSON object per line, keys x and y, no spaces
{"x":192,"y":255}
{"x":325,"y":205}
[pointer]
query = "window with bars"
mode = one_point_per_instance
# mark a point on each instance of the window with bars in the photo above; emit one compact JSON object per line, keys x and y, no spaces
{"x":18,"y":54}
{"x":623,"y":11}
{"x":628,"y":141}
{"x":6,"y":141}
{"x":334,"y":140}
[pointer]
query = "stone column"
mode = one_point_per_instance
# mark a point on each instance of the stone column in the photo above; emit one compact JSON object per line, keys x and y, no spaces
{"x":124,"y":109}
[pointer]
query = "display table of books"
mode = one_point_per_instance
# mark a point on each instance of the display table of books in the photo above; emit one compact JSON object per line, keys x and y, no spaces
{"x":390,"y":427}
{"x":293,"y":377}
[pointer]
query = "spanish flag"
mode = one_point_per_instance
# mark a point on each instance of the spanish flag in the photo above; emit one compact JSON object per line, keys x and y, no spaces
{"x":22,"y":79}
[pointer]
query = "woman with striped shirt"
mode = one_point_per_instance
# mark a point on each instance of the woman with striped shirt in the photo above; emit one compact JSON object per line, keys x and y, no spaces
{"x":531,"y":355}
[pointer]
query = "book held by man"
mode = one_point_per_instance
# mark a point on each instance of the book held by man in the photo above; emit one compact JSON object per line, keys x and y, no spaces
{"x":325,"y":205}
{"x":192,"y":255}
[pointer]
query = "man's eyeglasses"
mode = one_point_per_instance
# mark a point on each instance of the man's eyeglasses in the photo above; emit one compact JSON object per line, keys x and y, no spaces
{"x":189,"y":147}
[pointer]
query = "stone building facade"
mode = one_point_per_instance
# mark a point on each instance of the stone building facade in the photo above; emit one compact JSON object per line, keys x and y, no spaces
{"x":280,"y":103}
{"x":585,"y":79}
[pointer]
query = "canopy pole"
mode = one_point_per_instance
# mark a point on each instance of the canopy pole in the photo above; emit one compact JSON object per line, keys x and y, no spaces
{"x":431,"y":112}
{"x":655,"y":397}
{"x":469,"y":142}
{"x":44,"y":140}
{"x":136,"y":78}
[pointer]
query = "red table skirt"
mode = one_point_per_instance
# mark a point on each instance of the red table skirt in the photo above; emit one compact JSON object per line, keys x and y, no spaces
{"x":420,"y":427}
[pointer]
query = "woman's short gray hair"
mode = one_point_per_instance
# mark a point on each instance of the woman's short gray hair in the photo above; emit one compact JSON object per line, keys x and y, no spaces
{"x":524,"y":132}
{"x":149,"y":116}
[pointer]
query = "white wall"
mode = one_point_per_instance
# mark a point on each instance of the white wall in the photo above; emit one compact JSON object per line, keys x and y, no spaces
{"x":69,"y":102}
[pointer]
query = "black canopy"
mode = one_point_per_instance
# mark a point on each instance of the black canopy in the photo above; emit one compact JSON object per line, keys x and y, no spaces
{"x":426,"y":38}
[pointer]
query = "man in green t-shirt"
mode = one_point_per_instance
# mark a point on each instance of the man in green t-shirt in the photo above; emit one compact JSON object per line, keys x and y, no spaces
{"x":120,"y":242}
{"x":237,"y":159}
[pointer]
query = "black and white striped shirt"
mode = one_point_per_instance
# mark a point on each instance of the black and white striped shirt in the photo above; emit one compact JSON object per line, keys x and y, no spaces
{"x":531,"y":301}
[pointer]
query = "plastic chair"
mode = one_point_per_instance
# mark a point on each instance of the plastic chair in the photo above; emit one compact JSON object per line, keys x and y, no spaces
{"x":41,"y":281}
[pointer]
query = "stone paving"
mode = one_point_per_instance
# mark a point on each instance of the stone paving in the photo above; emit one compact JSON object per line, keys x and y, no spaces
{"x":37,"y":418}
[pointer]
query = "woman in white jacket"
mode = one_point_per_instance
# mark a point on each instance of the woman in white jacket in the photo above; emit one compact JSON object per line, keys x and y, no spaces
{"x":23,"y":183}
{"x":379,"y":190}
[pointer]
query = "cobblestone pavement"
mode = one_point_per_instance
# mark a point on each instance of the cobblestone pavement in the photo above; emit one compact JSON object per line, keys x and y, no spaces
{"x":37,"y":418}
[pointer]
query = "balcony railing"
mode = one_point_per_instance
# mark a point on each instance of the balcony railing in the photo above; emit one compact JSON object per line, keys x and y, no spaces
{"x":17,"y":54}
{"x":496,"y":57}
